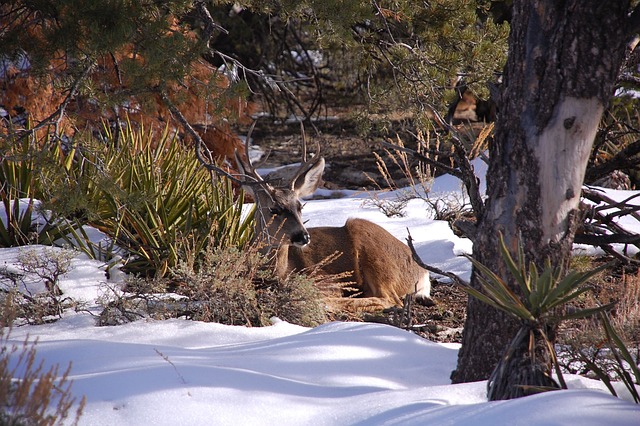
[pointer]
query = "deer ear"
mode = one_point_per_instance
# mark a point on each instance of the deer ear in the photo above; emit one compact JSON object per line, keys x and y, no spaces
{"x":306,"y":183}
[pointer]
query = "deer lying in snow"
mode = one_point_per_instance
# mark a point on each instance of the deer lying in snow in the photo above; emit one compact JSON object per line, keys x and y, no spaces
{"x":381,"y":265}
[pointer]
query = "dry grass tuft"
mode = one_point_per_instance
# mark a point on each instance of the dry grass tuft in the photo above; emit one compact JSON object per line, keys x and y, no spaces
{"x":29,"y":395}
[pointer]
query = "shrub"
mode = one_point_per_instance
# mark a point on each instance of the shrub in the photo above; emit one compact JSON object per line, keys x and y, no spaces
{"x":238,"y":287}
{"x":226,"y":285}
{"x":34,"y":302}
{"x":29,"y":395}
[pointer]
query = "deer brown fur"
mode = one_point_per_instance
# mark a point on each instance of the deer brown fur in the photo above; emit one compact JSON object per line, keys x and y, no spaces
{"x":381,"y":265}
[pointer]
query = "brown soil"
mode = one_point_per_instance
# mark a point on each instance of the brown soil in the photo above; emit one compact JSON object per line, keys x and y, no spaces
{"x":441,"y":322}
{"x":348,"y":154}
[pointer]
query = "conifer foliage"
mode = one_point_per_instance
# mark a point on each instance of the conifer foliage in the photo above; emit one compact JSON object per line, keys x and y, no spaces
{"x":70,"y":63}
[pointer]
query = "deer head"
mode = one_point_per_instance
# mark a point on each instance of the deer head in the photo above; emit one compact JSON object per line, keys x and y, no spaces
{"x":279,"y":210}
{"x":278,"y":215}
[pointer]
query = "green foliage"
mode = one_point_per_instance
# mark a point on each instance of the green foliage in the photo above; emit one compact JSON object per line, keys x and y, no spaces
{"x":151,"y":196}
{"x":541,"y":292}
{"x":79,"y":34}
{"x":148,"y":194}
{"x":389,"y":55}
{"x":29,"y":395}
{"x":23,"y":168}
{"x":524,"y":367}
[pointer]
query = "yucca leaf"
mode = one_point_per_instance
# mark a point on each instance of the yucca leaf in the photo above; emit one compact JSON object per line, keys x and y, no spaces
{"x":566,"y":298}
{"x":618,"y":345}
{"x":543,"y":284}
{"x":554,"y":357}
{"x":572,"y":280}
{"x":517,"y":271}
{"x":493,"y":282}
{"x":484,"y":298}
{"x":602,"y":375}
{"x":587,"y":312}
{"x":500,"y":295}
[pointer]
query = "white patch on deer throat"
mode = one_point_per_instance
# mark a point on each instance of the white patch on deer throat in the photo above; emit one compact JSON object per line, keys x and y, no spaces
{"x":563,"y":150}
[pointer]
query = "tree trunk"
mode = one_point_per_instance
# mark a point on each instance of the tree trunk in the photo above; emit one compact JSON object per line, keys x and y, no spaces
{"x":522,"y":365}
{"x":563,"y":62}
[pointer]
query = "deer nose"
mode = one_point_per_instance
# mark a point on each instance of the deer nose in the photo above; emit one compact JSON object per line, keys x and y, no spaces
{"x":300,"y":239}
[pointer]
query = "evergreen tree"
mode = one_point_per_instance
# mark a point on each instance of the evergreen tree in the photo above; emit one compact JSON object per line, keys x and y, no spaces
{"x":105,"y":60}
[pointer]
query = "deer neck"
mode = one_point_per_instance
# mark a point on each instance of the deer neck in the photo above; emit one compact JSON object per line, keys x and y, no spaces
{"x":281,"y":261}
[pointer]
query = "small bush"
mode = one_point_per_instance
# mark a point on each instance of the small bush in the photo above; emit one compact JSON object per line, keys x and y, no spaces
{"x":237,"y":287}
{"x":228,"y":286}
{"x":298,"y":299}
{"x":29,"y":395}
{"x":30,"y":292}
{"x":221,"y":289}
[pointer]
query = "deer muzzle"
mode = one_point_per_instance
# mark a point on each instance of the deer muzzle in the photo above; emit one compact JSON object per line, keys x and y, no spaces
{"x":300,"y":239}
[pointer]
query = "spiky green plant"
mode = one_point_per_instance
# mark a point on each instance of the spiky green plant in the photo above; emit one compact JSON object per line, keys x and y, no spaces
{"x":624,"y":367}
{"x":150,"y":195}
{"x":23,"y":165}
{"x":526,"y":366}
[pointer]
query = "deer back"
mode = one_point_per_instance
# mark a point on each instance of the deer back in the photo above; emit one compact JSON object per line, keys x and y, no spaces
{"x":383,"y":267}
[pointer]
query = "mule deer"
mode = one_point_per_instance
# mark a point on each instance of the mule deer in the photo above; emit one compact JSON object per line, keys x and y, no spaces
{"x":382,"y":266}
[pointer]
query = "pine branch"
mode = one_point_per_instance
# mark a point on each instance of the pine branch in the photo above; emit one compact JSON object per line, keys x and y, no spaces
{"x":56,"y":116}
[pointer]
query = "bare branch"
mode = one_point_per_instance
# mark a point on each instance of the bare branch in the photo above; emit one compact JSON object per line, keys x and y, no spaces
{"x":599,"y":197}
{"x":210,"y":24}
{"x":469,"y":178}
{"x":456,"y":279}
{"x":201,"y":148}
{"x":601,"y":230}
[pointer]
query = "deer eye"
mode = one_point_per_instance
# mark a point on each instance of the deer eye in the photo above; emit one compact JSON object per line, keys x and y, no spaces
{"x":275,"y":211}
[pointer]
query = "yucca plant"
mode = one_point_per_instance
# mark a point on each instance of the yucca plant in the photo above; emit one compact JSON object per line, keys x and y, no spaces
{"x":21,"y":170}
{"x":527,"y":363}
{"x":150,"y":195}
{"x":624,"y":365}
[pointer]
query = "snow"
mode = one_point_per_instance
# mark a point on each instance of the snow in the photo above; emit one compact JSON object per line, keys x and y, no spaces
{"x":179,"y":372}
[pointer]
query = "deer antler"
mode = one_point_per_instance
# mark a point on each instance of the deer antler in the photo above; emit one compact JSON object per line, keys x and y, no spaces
{"x":306,"y":164}
{"x":210,"y":165}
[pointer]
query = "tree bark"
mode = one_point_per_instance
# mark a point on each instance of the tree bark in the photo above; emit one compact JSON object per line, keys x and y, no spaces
{"x":563,"y":61}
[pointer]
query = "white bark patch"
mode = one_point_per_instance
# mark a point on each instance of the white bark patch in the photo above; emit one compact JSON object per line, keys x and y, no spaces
{"x":563,"y":150}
